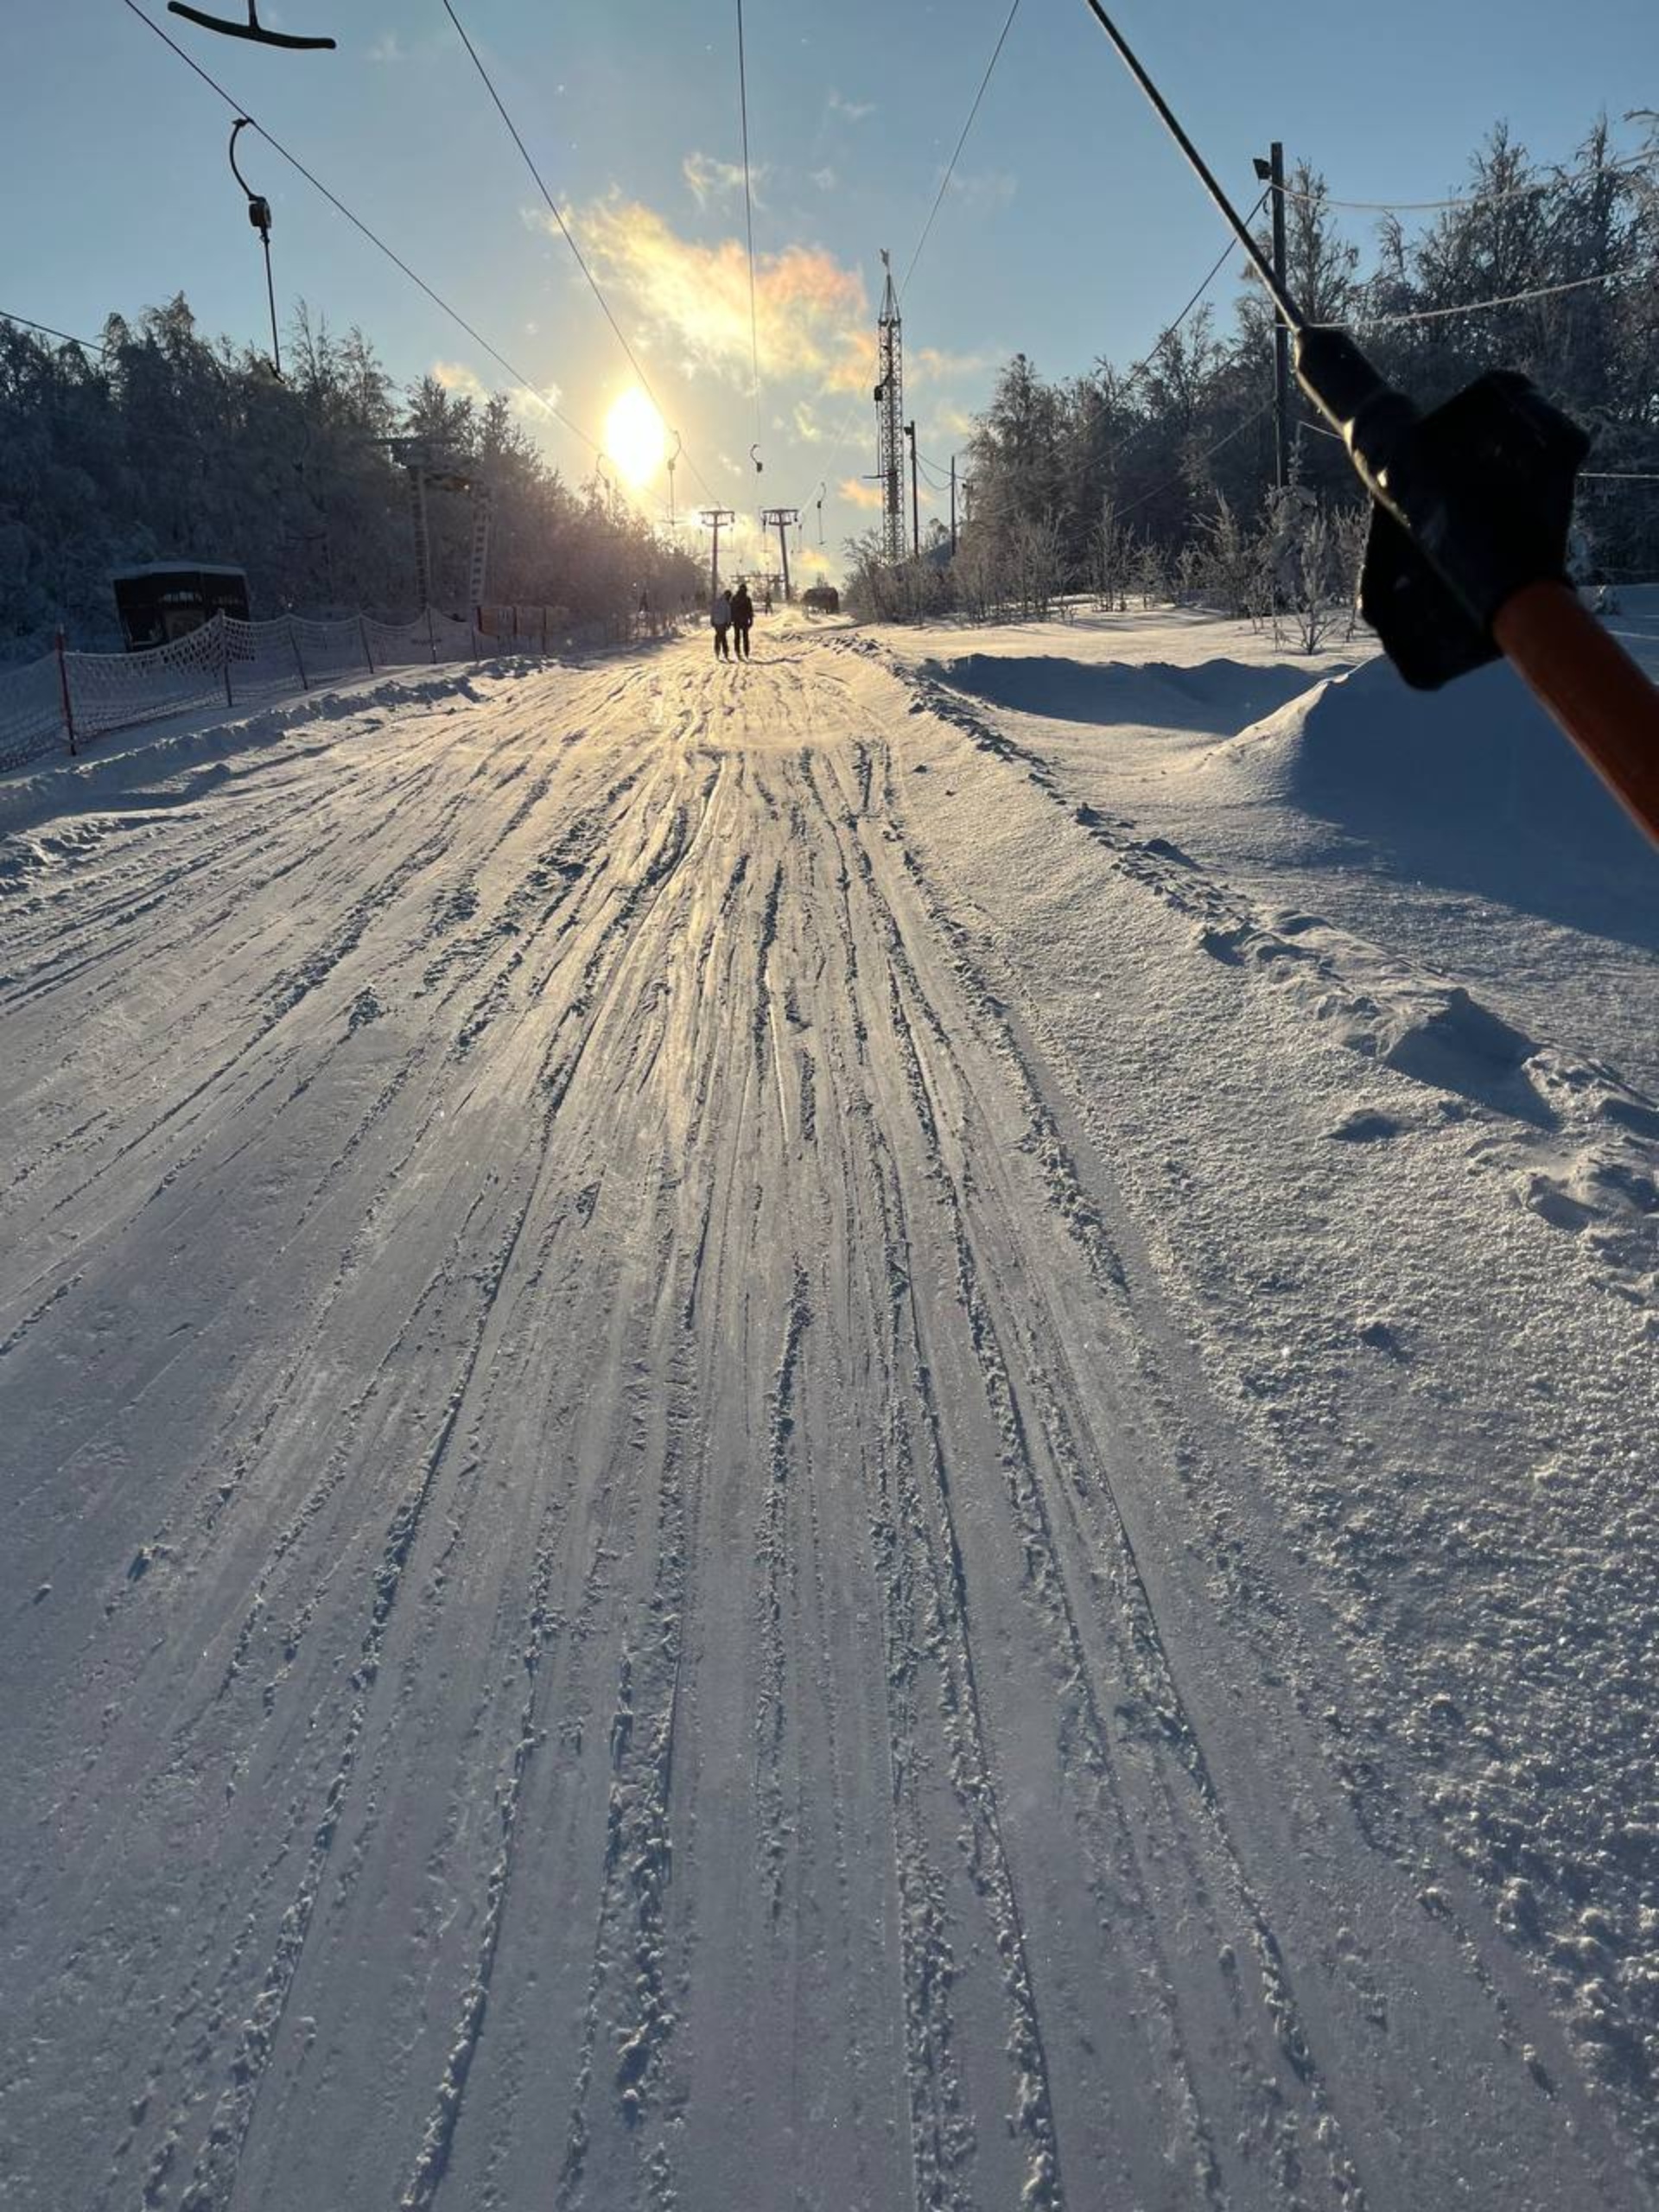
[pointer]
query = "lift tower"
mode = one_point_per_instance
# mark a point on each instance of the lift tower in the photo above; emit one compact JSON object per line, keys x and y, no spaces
{"x":779,"y":519}
{"x":890,"y":418}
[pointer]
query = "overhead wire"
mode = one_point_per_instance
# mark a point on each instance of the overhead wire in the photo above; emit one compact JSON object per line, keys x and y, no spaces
{"x":1172,"y":483}
{"x":1473,"y":199}
{"x":87,"y":345}
{"x":1504,"y":300}
{"x":944,"y":183}
{"x":749,"y":218}
{"x":951,"y":166}
{"x":566,"y":233}
{"x":294,"y":162}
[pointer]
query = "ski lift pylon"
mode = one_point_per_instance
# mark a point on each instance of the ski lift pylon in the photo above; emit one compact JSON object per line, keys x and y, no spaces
{"x":252,"y":28}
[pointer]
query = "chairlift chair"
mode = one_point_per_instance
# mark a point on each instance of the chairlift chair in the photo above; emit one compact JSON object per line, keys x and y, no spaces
{"x":252,"y":28}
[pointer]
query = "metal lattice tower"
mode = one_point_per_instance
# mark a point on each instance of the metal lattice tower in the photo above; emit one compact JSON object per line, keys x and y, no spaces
{"x":890,"y":418}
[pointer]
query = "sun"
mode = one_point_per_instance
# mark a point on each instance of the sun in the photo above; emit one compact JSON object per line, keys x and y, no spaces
{"x":634,"y":437}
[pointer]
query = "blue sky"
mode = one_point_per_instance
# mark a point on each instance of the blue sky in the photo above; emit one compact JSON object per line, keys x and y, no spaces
{"x":1072,"y":230}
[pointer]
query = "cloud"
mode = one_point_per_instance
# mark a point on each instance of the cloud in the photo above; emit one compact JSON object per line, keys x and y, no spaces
{"x":712,"y":180}
{"x":825,"y":179}
{"x":850,"y":110}
{"x":455,"y":375}
{"x":859,"y":493}
{"x":812,"y":317}
{"x":388,"y":48}
{"x":954,"y":422}
{"x":933,"y":364}
{"x":531,"y":407}
{"x":990,"y":188}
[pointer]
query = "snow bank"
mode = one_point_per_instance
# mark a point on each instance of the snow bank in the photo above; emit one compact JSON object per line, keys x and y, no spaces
{"x":1217,"y":697}
{"x":1473,"y":784}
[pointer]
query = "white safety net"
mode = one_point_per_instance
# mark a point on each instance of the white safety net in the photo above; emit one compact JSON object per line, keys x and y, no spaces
{"x":115,"y":691}
{"x":31,"y":712}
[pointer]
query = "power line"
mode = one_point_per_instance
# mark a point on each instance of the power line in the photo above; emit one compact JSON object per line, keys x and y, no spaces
{"x":748,"y":217}
{"x":239,"y":107}
{"x":1561,"y":178}
{"x":1504,"y":300}
{"x":565,"y":230}
{"x":1208,"y":454}
{"x":848,"y":420}
{"x":1170,"y":328}
{"x":945,"y":182}
{"x":46,"y":330}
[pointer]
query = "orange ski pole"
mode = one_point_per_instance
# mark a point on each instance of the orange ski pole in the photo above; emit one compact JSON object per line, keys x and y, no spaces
{"x":1592,"y":687}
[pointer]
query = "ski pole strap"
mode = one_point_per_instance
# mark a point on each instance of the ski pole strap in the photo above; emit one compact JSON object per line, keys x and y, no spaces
{"x":1592,"y":687}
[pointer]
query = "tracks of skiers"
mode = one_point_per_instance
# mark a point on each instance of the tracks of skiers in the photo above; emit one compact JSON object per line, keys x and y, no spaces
{"x":625,"y":1604}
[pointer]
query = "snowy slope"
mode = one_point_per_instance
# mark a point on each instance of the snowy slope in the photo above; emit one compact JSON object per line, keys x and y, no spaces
{"x":751,"y":1457}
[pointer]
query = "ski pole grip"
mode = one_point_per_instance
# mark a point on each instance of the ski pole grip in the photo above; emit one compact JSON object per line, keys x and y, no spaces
{"x":1592,"y":687}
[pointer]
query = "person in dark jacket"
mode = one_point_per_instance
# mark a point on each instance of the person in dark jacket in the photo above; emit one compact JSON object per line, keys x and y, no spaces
{"x":720,"y":615}
{"x":742,"y":619}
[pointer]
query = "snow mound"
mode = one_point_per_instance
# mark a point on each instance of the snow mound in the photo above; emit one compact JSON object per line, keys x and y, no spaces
{"x":1476,"y":777}
{"x":1215,"y":697}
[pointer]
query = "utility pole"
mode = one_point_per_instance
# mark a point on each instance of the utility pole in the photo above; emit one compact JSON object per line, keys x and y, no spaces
{"x":915,"y":497}
{"x":953,"y":506}
{"x":1272,"y":173}
{"x":712,"y":519}
{"x":781,"y":518}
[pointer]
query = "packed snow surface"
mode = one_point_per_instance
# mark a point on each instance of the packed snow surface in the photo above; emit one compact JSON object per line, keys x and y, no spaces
{"x":870,"y":1432}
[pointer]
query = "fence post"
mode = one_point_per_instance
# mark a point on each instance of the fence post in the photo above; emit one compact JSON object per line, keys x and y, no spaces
{"x":543,"y":633}
{"x":69,"y":703}
{"x":224,"y":641}
{"x":431,"y":639}
{"x":299,"y":660}
{"x":363,"y":635}
{"x":477,"y":617}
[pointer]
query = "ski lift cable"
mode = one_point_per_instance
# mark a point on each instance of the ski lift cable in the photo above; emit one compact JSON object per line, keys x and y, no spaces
{"x":748,"y":217}
{"x":565,"y":230}
{"x":1620,"y":168}
{"x":357,"y":223}
{"x":950,"y":169}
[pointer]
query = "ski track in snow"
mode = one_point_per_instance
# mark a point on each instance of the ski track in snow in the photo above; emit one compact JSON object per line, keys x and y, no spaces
{"x":631,"y":1583}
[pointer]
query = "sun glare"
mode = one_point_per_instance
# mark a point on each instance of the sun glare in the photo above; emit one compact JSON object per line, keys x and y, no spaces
{"x":634,"y":437}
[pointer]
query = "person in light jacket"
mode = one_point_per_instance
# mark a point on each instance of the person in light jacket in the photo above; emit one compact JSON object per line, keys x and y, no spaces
{"x":720,"y":613}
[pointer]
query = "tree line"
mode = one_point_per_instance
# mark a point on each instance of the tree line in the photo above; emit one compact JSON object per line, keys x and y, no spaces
{"x":1159,"y":479}
{"x":166,"y":446}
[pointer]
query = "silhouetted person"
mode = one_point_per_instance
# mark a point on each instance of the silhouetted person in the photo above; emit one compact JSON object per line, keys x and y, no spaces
{"x":742,"y":618}
{"x":720,"y":613}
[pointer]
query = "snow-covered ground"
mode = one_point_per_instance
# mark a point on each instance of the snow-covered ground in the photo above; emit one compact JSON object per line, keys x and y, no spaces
{"x":871,"y":1432}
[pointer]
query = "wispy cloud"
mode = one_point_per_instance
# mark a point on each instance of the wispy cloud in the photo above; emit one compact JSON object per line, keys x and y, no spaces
{"x":812,"y":316}
{"x":530,"y":407}
{"x":933,"y":364}
{"x":850,"y":110}
{"x":388,"y":48}
{"x":859,"y":493}
{"x":711,"y":180}
{"x":985,"y":190}
{"x":825,"y":179}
